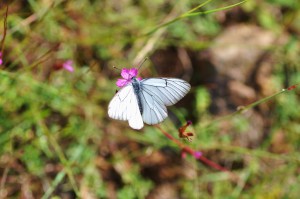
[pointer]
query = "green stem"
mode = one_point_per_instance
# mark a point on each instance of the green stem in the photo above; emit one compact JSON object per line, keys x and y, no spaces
{"x":61,"y":156}
{"x":214,"y":10}
{"x":242,"y":109}
{"x":252,"y":105}
{"x":255,"y":152}
{"x":197,"y":7}
{"x":5,"y":29}
{"x":192,"y":13}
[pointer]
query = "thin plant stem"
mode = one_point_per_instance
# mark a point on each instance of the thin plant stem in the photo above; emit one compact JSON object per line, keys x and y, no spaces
{"x":40,"y":60}
{"x":59,"y":177}
{"x":199,"y":6}
{"x":3,"y":180}
{"x":191,"y":13}
{"x":213,"y":10}
{"x":4,"y":31}
{"x":193,"y":152}
{"x":242,"y":109}
{"x":61,"y":156}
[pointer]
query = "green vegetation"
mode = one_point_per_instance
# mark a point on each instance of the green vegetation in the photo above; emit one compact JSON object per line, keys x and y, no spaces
{"x":57,"y":140}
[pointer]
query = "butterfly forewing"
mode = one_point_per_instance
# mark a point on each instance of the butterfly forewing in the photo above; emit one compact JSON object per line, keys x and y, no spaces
{"x":157,"y":93}
{"x":169,"y":90}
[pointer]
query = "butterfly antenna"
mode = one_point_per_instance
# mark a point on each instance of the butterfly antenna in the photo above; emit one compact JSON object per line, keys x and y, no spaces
{"x":116,"y":68}
{"x":142,"y":62}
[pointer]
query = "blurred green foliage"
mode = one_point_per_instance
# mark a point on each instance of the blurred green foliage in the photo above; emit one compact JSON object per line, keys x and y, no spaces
{"x":54,"y":128}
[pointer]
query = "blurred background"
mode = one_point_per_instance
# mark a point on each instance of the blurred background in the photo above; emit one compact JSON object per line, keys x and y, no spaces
{"x":57,"y":78}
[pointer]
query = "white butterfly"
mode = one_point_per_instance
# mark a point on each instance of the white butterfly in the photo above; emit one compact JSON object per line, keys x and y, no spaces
{"x":145,"y":100}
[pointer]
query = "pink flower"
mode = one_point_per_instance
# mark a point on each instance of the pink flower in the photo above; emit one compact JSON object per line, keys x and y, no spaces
{"x":197,"y":154}
{"x":127,"y":74}
{"x":68,"y":65}
{"x":1,"y":61}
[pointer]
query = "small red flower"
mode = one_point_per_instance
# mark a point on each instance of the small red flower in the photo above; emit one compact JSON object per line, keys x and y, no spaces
{"x":183,"y":134}
{"x":292,"y":87}
{"x":67,"y":65}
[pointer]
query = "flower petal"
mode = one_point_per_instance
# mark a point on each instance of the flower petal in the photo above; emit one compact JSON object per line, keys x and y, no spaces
{"x":133,"y":72}
{"x":197,"y":154}
{"x":1,"y":61}
{"x":69,"y":68}
{"x":125,"y":73}
{"x":122,"y":82}
{"x":67,"y":65}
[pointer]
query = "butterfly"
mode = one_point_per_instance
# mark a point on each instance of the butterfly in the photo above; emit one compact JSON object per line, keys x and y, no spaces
{"x":142,"y":101}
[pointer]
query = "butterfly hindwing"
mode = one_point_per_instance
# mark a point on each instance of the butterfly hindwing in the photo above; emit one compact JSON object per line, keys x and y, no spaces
{"x":154,"y":110}
{"x":124,"y":106}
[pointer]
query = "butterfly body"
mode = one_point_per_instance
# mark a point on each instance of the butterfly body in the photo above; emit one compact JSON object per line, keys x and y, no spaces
{"x":145,"y":101}
{"x":137,"y":89}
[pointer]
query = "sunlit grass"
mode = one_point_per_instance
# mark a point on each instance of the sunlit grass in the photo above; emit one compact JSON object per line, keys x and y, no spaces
{"x":54,"y":128}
